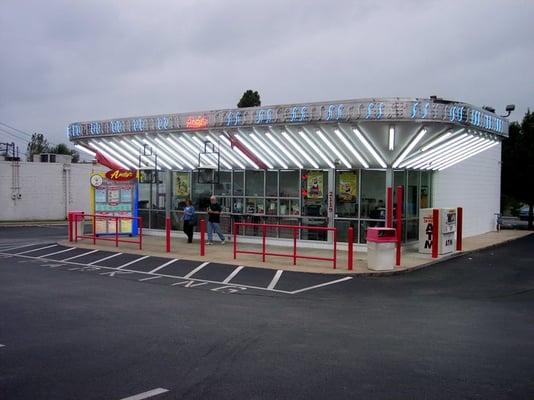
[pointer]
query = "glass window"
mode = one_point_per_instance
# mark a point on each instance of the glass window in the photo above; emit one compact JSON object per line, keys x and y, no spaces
{"x":271,"y":206}
{"x":254,"y":183}
{"x":314,"y":193}
{"x":425,"y":190}
{"x":412,"y":194}
{"x":271,"y":183}
{"x":347,"y":193}
{"x":255,"y":206}
{"x":373,"y":194}
{"x":200,"y":193}
{"x":239,"y":183}
{"x":224,"y":187}
{"x":289,"y":183}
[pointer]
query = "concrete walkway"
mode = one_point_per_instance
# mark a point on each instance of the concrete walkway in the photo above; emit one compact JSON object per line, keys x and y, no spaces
{"x":217,"y":253}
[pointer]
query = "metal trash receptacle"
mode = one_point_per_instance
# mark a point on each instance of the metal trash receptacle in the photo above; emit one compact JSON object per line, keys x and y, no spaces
{"x":381,"y":245}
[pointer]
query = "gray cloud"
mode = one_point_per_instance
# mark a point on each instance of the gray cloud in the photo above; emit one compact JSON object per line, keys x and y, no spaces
{"x":65,"y":61}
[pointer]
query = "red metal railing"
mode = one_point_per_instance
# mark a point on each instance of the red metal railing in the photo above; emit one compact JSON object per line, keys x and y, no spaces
{"x":112,"y":237}
{"x":294,"y":255}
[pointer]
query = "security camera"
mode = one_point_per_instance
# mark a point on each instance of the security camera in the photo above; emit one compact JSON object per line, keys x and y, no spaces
{"x":19,"y":196}
{"x":510,"y":107}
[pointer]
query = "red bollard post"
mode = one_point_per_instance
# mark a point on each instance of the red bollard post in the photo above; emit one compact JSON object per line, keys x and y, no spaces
{"x":459,"y":228}
{"x":76,"y":227}
{"x":168,"y":234}
{"x":235,"y":240}
{"x":202,"y":237}
{"x":335,"y":249}
{"x":116,"y":231}
{"x":435,"y":232}
{"x":69,"y":218}
{"x":389,"y":208}
{"x":94,"y":229}
{"x":263,"y":241}
{"x":400,"y":202}
{"x":294,"y":247}
{"x":350,"y":244}
{"x":140,"y":222}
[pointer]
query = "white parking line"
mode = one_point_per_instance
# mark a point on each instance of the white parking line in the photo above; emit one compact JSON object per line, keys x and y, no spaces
{"x":58,"y":252}
{"x":19,"y":247}
{"x":196,"y":270}
{"x":132,"y":262}
{"x":163,"y":265}
{"x":233,"y":274}
{"x":40,"y":248}
{"x":105,"y":258}
{"x":145,"y":395}
{"x":322,"y":284}
{"x":275,"y":279}
{"x":149,"y":278}
{"x":79,"y":255}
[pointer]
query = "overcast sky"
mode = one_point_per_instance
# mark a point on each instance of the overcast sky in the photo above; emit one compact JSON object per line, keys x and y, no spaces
{"x":66,"y":61}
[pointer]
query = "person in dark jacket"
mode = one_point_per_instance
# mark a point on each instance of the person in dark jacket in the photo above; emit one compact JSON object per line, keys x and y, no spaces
{"x":189,"y":220}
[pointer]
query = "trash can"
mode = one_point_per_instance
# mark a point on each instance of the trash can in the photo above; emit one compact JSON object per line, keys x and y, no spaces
{"x":381,"y":245}
{"x":75,"y":224}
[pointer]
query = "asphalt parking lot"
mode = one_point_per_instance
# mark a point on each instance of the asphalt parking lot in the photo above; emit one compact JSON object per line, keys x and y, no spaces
{"x":75,"y":325}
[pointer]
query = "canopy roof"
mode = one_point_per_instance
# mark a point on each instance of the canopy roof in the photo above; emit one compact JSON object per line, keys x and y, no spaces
{"x":369,"y":133}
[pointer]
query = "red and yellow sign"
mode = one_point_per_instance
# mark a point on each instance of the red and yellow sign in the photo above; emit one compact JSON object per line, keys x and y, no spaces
{"x":198,"y":121}
{"x":121,"y":175}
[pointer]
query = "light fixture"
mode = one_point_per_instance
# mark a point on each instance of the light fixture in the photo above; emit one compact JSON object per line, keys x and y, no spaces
{"x":452,"y":153}
{"x":391,"y":138}
{"x":202,"y":145}
{"x":284,"y":150}
{"x":351,"y":148}
{"x":436,"y":141}
{"x":184,"y":154}
{"x":242,"y":139}
{"x":370,"y":148}
{"x":334,"y":149}
{"x":300,"y":150}
{"x":227,"y":146}
{"x":316,"y":148}
{"x":107,"y":155}
{"x":118,"y":156}
{"x":164,"y":151}
{"x":444,"y":148}
{"x":128,"y":156}
{"x":268,"y":151}
{"x":144,"y":158}
{"x":163,"y":159}
{"x":410,"y":147}
{"x":466,"y":153}
{"x":85,"y":150}
{"x":466,"y":156}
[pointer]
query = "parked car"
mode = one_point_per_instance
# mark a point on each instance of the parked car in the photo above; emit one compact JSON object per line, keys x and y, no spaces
{"x":523,"y":213}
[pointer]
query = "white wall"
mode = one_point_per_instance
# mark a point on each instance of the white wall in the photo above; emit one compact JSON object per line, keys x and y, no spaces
{"x":475,"y":185}
{"x":47,"y":190}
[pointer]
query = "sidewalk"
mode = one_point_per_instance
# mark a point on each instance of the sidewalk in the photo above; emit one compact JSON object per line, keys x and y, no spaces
{"x":217,"y":253}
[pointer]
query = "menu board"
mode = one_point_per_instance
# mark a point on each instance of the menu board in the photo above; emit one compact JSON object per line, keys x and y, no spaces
{"x":113,"y":195}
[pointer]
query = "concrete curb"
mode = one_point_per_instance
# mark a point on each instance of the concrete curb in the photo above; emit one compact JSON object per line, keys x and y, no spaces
{"x":32,"y":224}
{"x":377,"y":274}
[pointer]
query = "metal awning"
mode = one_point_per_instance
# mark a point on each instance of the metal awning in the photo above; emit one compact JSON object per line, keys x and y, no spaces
{"x":321,"y":135}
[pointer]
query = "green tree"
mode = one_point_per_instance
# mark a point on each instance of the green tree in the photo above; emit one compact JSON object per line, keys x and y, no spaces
{"x":250,"y":98}
{"x":37,"y":144}
{"x":62,"y":148}
{"x":517,"y":179}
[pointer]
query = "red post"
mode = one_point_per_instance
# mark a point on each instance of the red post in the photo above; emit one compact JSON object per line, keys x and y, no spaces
{"x":94,"y":229}
{"x":76,"y":227}
{"x":350,"y":245}
{"x":294,"y":246}
{"x":235,"y":240}
{"x":459,"y":228}
{"x":140,"y":223}
{"x":116,"y":231}
{"x":69,"y":218}
{"x":263,"y":241}
{"x":435,"y":232}
{"x":168,"y":234}
{"x":389,"y":208}
{"x":400,"y":202}
{"x":335,"y":249}
{"x":202,"y":237}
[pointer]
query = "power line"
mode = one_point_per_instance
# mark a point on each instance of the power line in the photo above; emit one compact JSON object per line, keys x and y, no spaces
{"x":16,"y":129}
{"x":25,"y":140}
{"x":21,"y":131}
